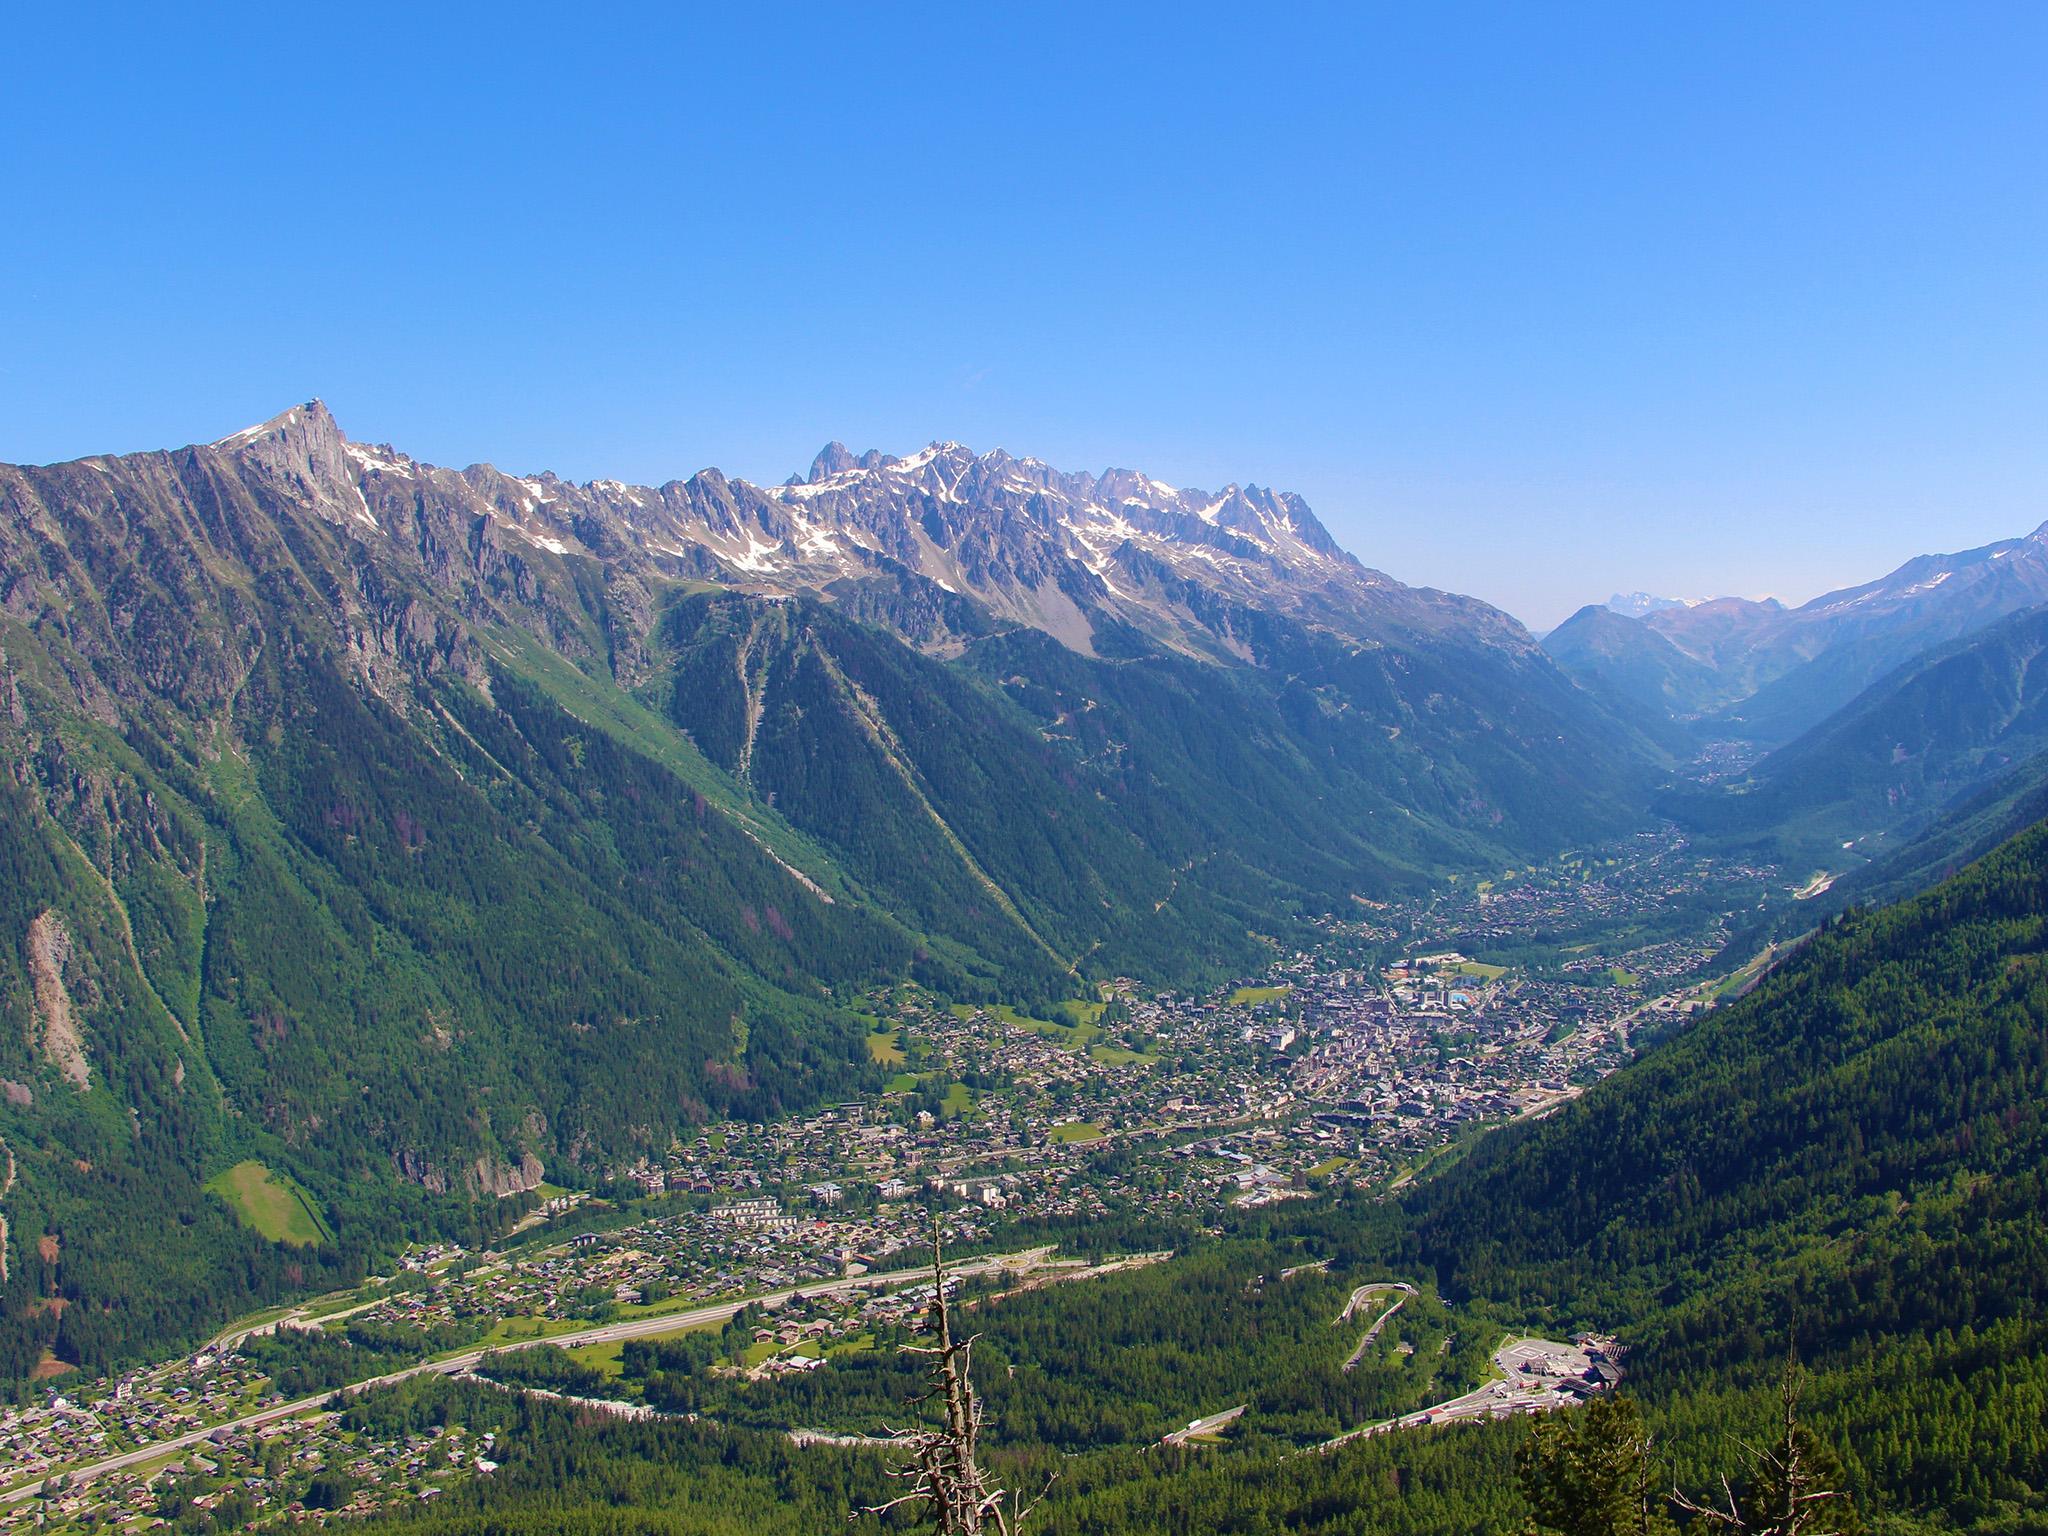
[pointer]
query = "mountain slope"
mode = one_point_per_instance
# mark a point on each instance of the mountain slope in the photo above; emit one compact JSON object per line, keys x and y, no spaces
{"x":1869,"y":630}
{"x":1851,"y":1163}
{"x":419,"y":832}
{"x":1622,"y":658}
{"x":1964,"y":831}
{"x":1771,"y":673}
{"x":934,"y":794}
{"x":325,"y":880}
{"x":1931,"y":733}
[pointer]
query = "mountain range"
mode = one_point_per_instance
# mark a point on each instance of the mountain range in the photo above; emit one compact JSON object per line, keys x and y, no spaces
{"x":426,"y":833}
{"x":1763,"y":672}
{"x":422,"y":831}
{"x":1889,"y":765}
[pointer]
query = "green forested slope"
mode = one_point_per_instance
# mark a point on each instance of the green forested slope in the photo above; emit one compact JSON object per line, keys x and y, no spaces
{"x":1847,"y":1164}
{"x":938,"y":798}
{"x":1920,"y":738}
{"x":1897,"y":1062}
{"x":1851,"y":1164}
{"x":415,"y":852}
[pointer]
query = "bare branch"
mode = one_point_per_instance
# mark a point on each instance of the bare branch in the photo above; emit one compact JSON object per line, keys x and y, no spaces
{"x":940,"y":1460}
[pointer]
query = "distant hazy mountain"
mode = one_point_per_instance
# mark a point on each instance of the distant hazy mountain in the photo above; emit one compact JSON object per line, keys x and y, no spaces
{"x":1899,"y":757}
{"x":1772,"y":672}
{"x":420,"y":830}
{"x":1625,"y":659}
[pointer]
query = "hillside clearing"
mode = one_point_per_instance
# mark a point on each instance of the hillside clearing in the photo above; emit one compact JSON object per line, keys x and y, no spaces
{"x":272,"y":1203}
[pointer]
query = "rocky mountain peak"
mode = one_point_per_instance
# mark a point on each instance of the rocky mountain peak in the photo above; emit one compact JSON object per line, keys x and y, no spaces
{"x":302,"y":427}
{"x":1067,"y":552}
{"x":833,"y":459}
{"x":302,"y":451}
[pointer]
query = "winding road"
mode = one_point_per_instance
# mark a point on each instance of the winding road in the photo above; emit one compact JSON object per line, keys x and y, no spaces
{"x":1364,"y":1294}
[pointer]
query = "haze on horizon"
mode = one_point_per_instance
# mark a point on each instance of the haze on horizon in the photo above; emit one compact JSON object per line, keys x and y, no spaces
{"x":1530,"y":306}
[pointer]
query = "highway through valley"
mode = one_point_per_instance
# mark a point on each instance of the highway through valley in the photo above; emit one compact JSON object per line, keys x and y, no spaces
{"x":457,"y":1364}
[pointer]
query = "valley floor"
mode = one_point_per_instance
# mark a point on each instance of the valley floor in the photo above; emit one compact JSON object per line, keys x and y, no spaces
{"x":1363,"y":1062}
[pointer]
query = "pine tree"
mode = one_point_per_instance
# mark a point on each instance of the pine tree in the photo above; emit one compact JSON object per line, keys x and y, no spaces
{"x":945,"y":1476}
{"x":1795,"y":1485}
{"x":1588,"y":1473}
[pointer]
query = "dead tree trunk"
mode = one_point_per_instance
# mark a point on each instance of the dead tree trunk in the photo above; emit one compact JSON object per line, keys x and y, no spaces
{"x":946,"y":1480}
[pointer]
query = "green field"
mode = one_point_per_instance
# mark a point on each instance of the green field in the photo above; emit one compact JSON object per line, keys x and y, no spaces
{"x":1325,"y":1169}
{"x":1245,"y":996}
{"x":603,"y":1358}
{"x":958,"y":1101}
{"x":762,"y":1349}
{"x":524,"y":1330}
{"x":1482,"y":970}
{"x":272,"y":1203}
{"x":1735,"y":985}
{"x":1117,"y":1056}
{"x":1078,"y":1032}
{"x":1080,"y":1014}
{"x":902,"y":1082}
{"x":885,"y":1049}
{"x":1079,"y":1130}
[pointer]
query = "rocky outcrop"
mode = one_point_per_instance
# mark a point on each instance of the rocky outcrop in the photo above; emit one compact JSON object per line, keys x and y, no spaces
{"x":488,"y":1174}
{"x":414,"y":1168}
{"x":48,"y":948}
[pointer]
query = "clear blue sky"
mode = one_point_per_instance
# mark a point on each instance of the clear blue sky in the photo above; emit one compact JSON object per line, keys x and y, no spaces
{"x":1535,"y":301}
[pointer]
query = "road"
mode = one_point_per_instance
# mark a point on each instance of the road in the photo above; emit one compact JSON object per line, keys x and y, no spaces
{"x":1207,"y":1426}
{"x":1365,"y":1293}
{"x":455,"y":1365}
{"x":1516,"y":1390}
{"x":1400,"y":1300}
{"x":230,"y":1338}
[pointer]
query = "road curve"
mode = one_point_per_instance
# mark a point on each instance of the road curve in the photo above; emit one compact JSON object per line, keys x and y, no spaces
{"x":1206,"y":1426}
{"x":455,"y":1365}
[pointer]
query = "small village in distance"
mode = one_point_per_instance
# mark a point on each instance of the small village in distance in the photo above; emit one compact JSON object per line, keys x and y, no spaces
{"x":1353,"y":1062}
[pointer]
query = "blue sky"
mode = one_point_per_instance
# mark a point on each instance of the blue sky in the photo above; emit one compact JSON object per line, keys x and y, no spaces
{"x":1535,"y":301}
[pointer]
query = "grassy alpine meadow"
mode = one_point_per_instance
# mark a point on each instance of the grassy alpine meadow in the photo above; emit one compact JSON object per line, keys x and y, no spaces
{"x":272,"y":1203}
